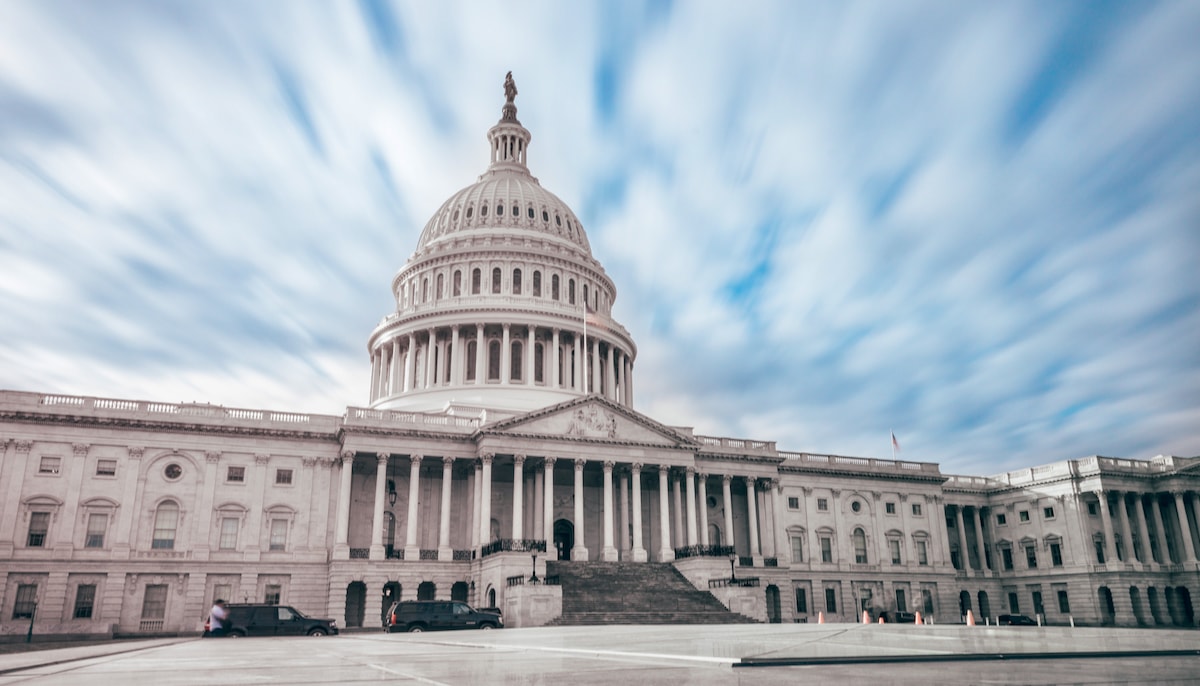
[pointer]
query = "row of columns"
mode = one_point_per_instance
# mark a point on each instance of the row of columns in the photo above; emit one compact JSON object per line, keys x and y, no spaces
{"x":691,"y":525}
{"x":394,"y":371}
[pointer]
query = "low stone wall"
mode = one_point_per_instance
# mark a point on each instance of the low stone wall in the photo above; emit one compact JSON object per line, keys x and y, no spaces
{"x":532,"y":605}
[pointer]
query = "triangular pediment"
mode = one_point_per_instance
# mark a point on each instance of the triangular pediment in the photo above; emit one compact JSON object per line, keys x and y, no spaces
{"x":591,"y":418}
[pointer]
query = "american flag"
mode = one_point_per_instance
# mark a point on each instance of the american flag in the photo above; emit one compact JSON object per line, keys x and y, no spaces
{"x":895,"y":443}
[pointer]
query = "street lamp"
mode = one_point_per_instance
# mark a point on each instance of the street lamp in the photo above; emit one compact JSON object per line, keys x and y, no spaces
{"x":732,"y":559}
{"x":533,"y":579}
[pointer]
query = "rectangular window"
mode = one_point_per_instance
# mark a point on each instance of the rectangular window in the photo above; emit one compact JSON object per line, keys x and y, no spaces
{"x":894,"y":546}
{"x":25,"y":601}
{"x":1031,"y":556}
{"x":927,"y":600}
{"x":826,"y":549}
{"x":922,"y":553}
{"x":97,"y":525}
{"x":271,"y":596}
{"x":793,"y":502}
{"x":229,"y":533}
{"x":889,"y":508}
{"x":154,"y":602}
{"x":85,"y":599}
{"x":1014,"y":607}
{"x":49,"y":465}
{"x":1064,"y":605}
{"x":1006,"y":556}
{"x":106,"y":468}
{"x":916,"y":509}
{"x":1048,"y":512}
{"x":236,"y":474}
{"x":1001,"y":520}
{"x":1038,"y":607}
{"x":1056,"y":554}
{"x":822,"y":505}
{"x":1094,"y":509}
{"x":1023,"y":515}
{"x":901,"y":600}
{"x":283,"y":477}
{"x":1099,"y":550}
{"x":39,"y":525}
{"x":831,"y":601}
{"x":797,"y":549}
{"x":279,"y":529}
{"x":801,"y":601}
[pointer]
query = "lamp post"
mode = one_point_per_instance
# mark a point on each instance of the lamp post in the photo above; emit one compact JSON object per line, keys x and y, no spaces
{"x":533,"y":579}
{"x":32,"y":613}
{"x":732,"y":559}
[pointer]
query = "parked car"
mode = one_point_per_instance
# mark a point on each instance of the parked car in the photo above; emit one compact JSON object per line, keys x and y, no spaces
{"x":273,"y":620}
{"x":439,"y":615}
{"x":898,"y":617}
{"x":1016,"y":620}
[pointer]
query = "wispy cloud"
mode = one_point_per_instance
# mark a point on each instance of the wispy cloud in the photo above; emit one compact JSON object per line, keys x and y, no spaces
{"x":976,"y":226}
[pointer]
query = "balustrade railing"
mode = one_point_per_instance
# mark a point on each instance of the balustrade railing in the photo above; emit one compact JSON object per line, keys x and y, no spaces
{"x":740,"y":583}
{"x":429,"y":555}
{"x":703,"y":551}
{"x":395,"y":553}
{"x":746,"y":561}
{"x":360,"y":553}
{"x":513,"y":545}
{"x":770,"y":562}
{"x":463,"y":555}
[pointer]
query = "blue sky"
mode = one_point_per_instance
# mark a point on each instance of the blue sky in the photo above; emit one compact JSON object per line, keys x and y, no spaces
{"x":975,"y":224}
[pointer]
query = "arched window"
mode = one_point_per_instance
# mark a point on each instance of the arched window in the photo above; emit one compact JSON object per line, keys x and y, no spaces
{"x":476,"y":279}
{"x":166,"y":521}
{"x":516,"y":282}
{"x":571,"y":291}
{"x":494,"y":361}
{"x":537,"y":284}
{"x":457,"y":283}
{"x":425,"y":290}
{"x":531,"y":211}
{"x":539,"y":363}
{"x":554,"y":286}
{"x":859,"y":539}
{"x":440,"y":287}
{"x":585,"y":293}
{"x":483,"y":210}
{"x":496,"y":280}
{"x":514,"y":365}
{"x":472,"y":348}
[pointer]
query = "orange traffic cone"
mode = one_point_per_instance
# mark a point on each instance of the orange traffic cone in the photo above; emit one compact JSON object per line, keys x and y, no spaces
{"x":866,"y":617}
{"x":918,"y":619}
{"x":820,"y":618}
{"x":970,"y":618}
{"x":881,"y":620}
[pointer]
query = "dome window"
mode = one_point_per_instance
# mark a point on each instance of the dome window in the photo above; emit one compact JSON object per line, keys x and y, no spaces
{"x":516,"y":211}
{"x":499,"y":210}
{"x":455,"y":217}
{"x":531,"y":212}
{"x":483,"y":210}
{"x":545,"y":216}
{"x":516,"y":284}
{"x":457,"y":283}
{"x":537,"y":284}
{"x":476,"y":280}
{"x":571,"y":291}
{"x":496,"y":280}
{"x":557,"y":220}
{"x":470,"y":211}
{"x":554,"y":286}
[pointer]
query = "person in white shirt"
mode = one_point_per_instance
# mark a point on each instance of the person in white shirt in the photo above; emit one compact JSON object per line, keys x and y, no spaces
{"x":218,"y":618}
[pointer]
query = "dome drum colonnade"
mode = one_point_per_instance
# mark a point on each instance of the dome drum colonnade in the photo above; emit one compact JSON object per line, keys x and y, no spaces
{"x":678,"y":495}
{"x":502,"y":306}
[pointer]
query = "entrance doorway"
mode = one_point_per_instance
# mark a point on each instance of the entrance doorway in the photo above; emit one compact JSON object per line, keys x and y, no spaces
{"x":427,"y":591}
{"x":564,"y":538}
{"x":459,"y":591}
{"x":774,"y":616}
{"x":356,"y":603}
{"x":1108,"y":613}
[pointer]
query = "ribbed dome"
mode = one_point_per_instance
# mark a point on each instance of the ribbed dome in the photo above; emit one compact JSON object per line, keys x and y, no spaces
{"x":501,"y":201}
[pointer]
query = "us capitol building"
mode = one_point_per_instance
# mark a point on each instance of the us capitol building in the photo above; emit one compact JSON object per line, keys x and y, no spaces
{"x":501,"y":426}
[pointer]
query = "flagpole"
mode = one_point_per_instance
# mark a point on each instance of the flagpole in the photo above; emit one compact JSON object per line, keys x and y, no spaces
{"x":586,"y":354}
{"x":893,"y":433}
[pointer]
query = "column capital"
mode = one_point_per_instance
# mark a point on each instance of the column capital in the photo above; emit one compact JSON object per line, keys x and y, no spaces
{"x":549,"y":462}
{"x":416,"y":460}
{"x":579,"y":462}
{"x":211,"y":456}
{"x":727,"y":479}
{"x":448,"y":461}
{"x":518,"y":460}
{"x":261,"y":458}
{"x":1178,"y":492}
{"x":382,"y":458}
{"x":347,"y":456}
{"x":608,"y":465}
{"x":835,"y":492}
{"x":81,"y":449}
{"x":690,"y":470}
{"x":24,"y":446}
{"x":703,"y":475}
{"x":636,"y":468}
{"x":309,"y":461}
{"x":807,"y":490}
{"x":487,"y":458}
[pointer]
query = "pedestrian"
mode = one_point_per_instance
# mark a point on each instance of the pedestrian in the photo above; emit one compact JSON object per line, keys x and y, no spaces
{"x":218,"y":619}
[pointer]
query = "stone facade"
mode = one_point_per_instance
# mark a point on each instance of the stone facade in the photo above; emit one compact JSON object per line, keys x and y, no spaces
{"x":501,"y":426}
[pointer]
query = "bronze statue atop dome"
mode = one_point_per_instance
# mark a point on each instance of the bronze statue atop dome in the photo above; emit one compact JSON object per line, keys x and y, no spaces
{"x":510,"y":88}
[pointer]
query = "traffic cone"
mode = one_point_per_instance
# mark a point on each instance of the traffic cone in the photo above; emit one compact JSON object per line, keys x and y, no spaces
{"x":820,"y":618}
{"x":866,"y":617}
{"x":881,"y":620}
{"x":918,"y":619}
{"x":970,"y":618}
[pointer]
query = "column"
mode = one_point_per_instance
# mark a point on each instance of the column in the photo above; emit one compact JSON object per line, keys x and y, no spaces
{"x":610,"y":376}
{"x":677,"y":500}
{"x":456,"y":357}
{"x":942,"y":530}
{"x":410,"y":361}
{"x":580,"y":551}
{"x":594,"y":360}
{"x":381,"y":462}
{"x":506,"y":356}
{"x":752,"y":514}
{"x":665,"y":553}
{"x":623,"y":509}
{"x":628,"y":382}
{"x":374,"y":376}
{"x":1143,"y":531}
{"x":548,"y":503}
{"x":609,"y":554}
{"x":703,"y":505}
{"x":621,"y":377}
{"x":782,"y":548}
{"x":529,"y":358}
{"x":639,"y":552}
{"x":691,"y":505}
{"x":730,"y":540}
{"x":397,"y":368}
{"x":430,"y":363}
{"x":1164,"y":551}
{"x":578,"y":365}
{"x":1110,"y":543}
{"x":1126,"y":528}
{"x":555,"y":380}
{"x":412,"y":547}
{"x":518,"y":516}
{"x":480,"y":356}
{"x":476,"y":499}
{"x":981,"y":546}
{"x":964,"y":555}
{"x":343,"y":511}
{"x":445,"y":552}
{"x":539,"y":506}
{"x":1185,"y":531}
{"x":485,"y":499}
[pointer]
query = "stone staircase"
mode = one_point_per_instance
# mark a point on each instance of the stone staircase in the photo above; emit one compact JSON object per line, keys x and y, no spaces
{"x":634,"y":593}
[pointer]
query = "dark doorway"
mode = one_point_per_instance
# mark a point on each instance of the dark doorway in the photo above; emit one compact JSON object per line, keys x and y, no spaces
{"x":1135,"y":601}
{"x":773,"y":614}
{"x":459,"y":591}
{"x":985,"y":607}
{"x":491,"y":597}
{"x":1155,"y":605}
{"x":964,"y":603}
{"x":356,"y":603}
{"x":564,"y":538}
{"x":427,"y":591}
{"x":391,"y":594}
{"x":1108,"y":613}
{"x":1186,"y":610}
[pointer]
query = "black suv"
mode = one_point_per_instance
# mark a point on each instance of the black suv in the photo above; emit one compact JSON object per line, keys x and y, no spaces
{"x":439,"y":615}
{"x":1016,"y":620}
{"x":273,"y":620}
{"x":899,"y":617}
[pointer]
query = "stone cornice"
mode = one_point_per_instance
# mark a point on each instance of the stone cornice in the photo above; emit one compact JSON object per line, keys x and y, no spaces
{"x":879,"y":476}
{"x":120,"y":423}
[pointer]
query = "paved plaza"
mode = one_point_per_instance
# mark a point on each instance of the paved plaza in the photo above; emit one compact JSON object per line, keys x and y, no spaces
{"x":757,"y":654}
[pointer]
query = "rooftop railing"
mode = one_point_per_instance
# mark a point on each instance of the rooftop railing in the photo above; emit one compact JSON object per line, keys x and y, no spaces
{"x":154,"y":409}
